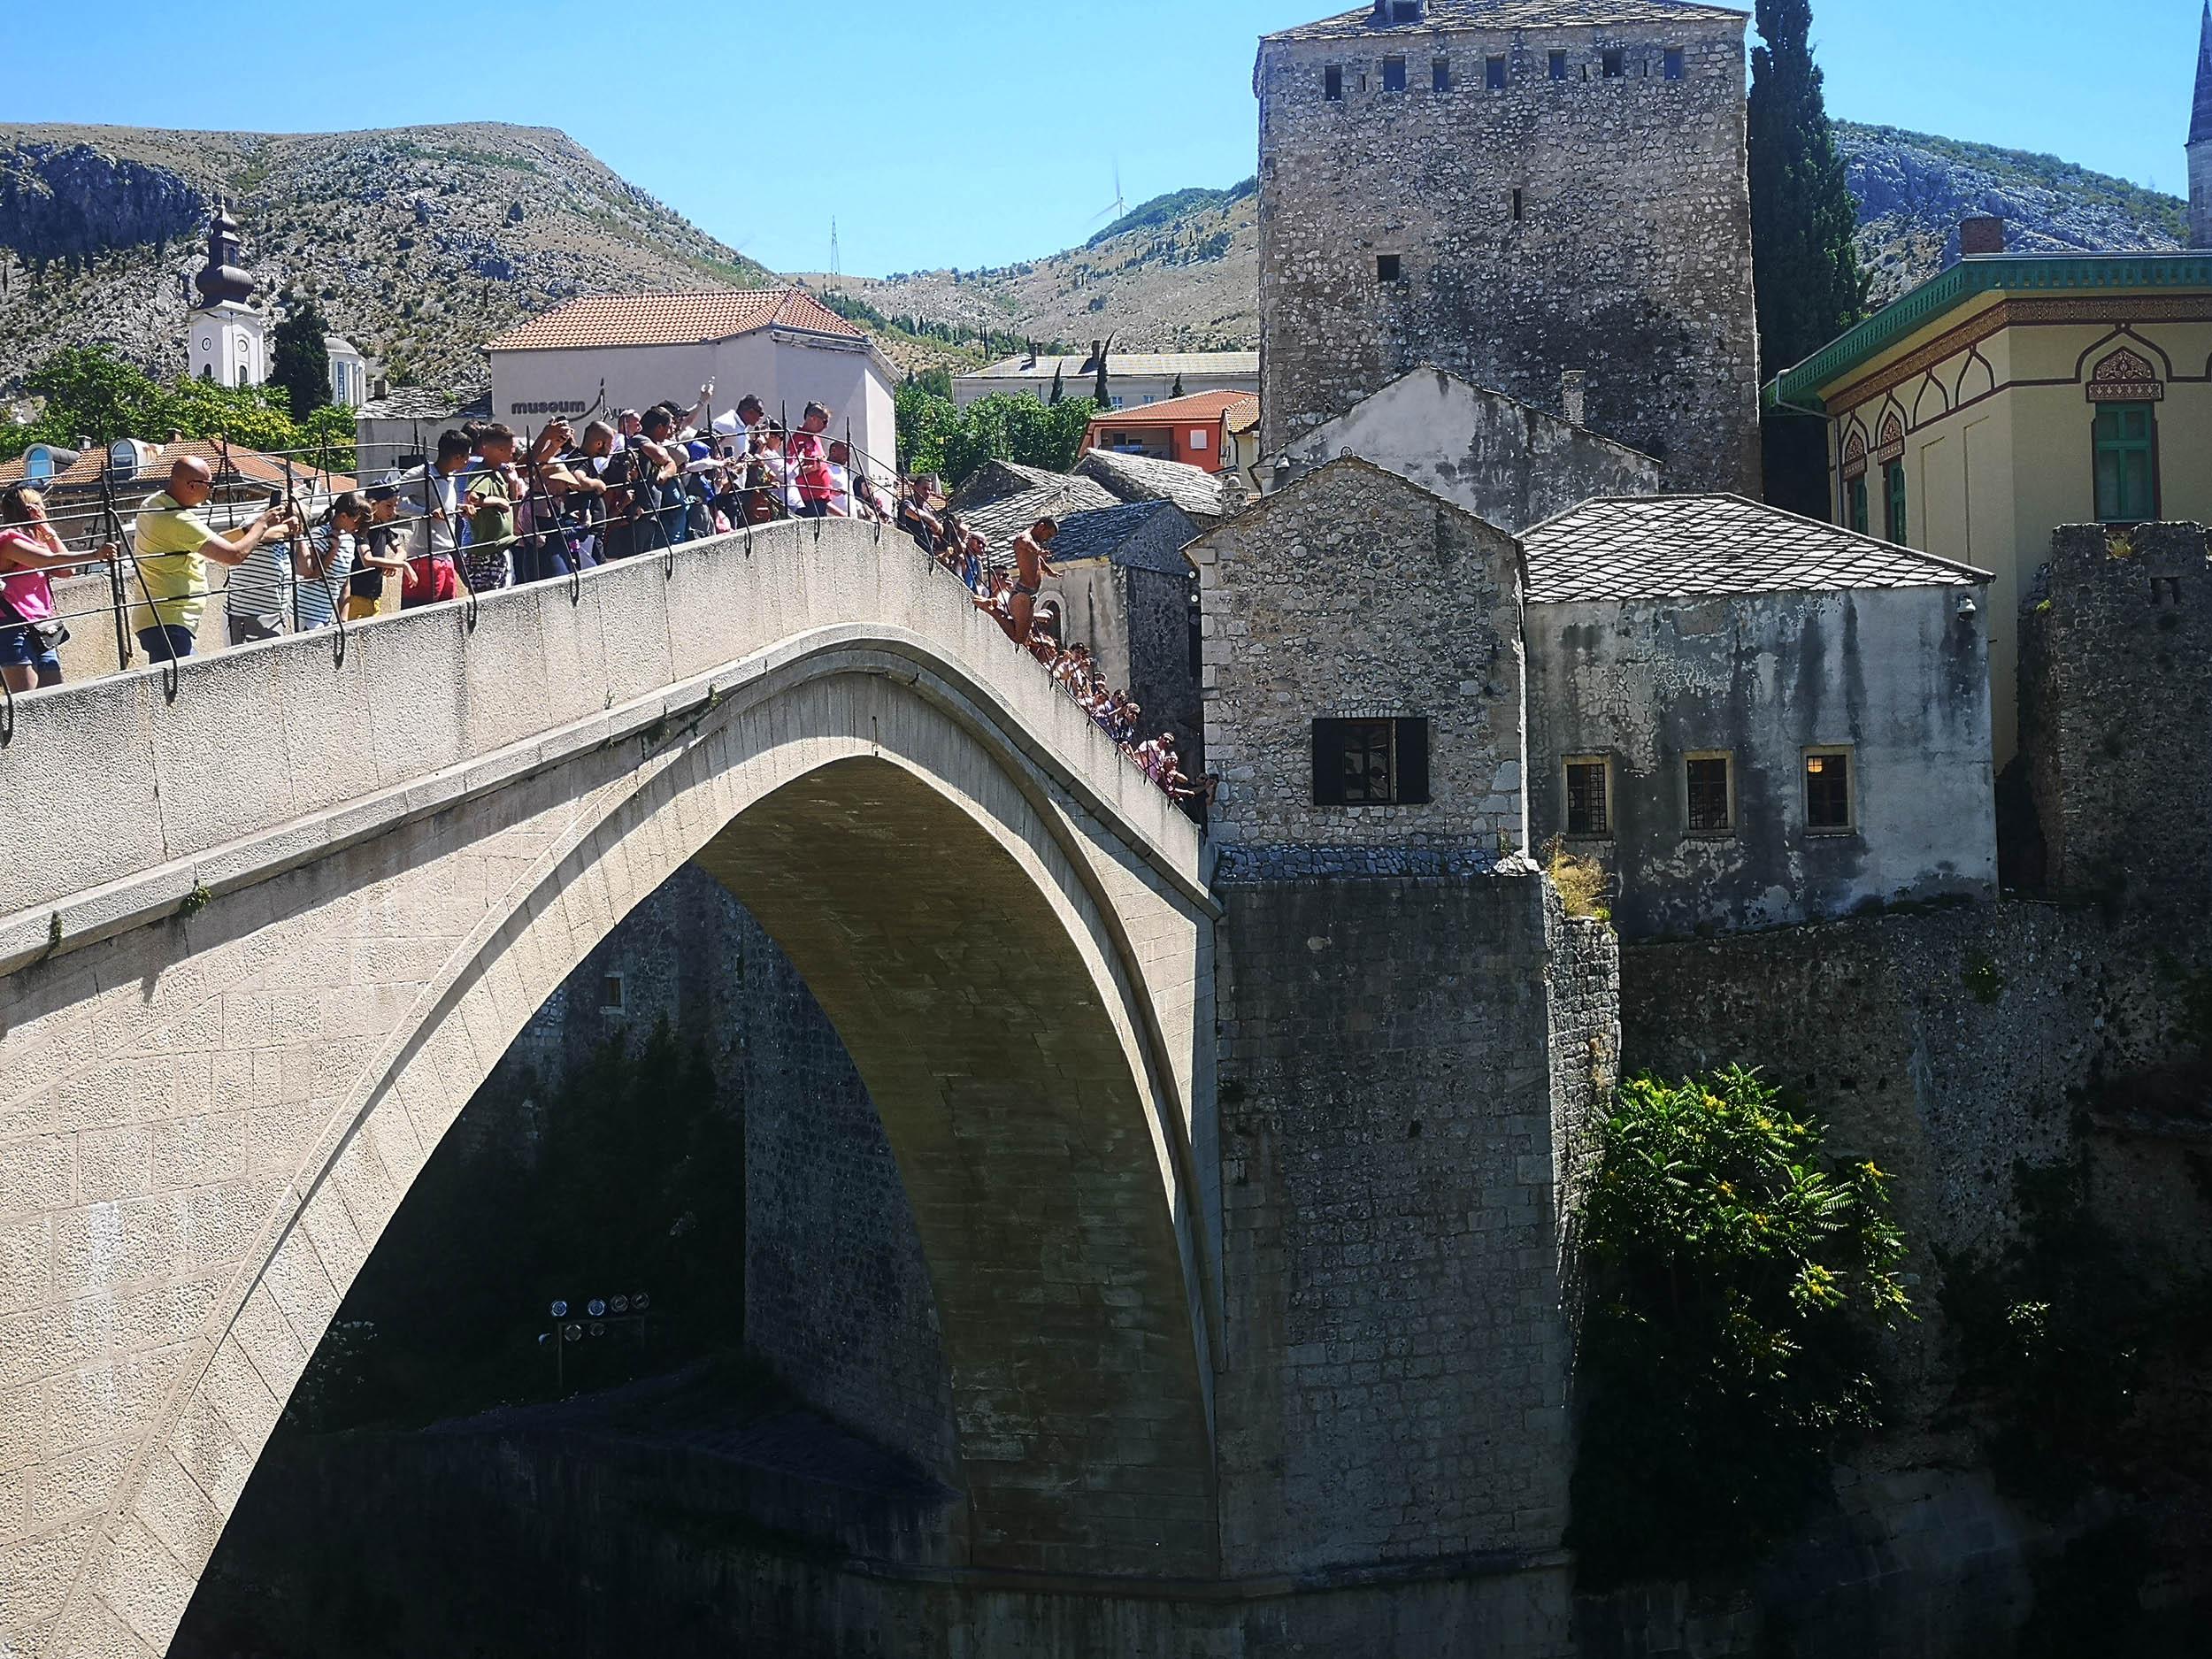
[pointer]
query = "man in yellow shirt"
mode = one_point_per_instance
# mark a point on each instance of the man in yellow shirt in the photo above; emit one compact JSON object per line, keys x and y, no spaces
{"x":173,"y":544}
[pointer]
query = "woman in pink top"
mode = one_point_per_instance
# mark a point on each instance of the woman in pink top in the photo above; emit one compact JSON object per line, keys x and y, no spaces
{"x":28,"y":549}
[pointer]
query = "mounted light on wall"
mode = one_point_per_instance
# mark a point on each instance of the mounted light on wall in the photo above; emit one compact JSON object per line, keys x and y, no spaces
{"x":1968,"y":609}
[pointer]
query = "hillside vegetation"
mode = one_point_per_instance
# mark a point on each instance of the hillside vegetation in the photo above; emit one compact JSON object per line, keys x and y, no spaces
{"x":418,"y":244}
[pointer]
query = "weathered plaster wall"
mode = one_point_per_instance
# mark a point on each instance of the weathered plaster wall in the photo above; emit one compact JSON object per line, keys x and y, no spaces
{"x":1391,"y":1127}
{"x":1356,"y":592}
{"x":1505,"y":461}
{"x":2117,"y":688}
{"x":1896,"y":674}
{"x":1631,"y":257}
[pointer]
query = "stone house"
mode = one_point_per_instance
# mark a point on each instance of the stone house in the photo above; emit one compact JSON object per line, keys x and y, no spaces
{"x":1510,"y":190}
{"x":1750,"y":718}
{"x":1501,"y":459}
{"x":1362,"y":675}
{"x":1147,"y":477}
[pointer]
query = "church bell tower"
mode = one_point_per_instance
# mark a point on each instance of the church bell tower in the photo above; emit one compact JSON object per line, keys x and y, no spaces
{"x":227,"y":338}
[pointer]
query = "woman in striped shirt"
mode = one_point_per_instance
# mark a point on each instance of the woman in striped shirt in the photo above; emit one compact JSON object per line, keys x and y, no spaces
{"x":333,"y":546}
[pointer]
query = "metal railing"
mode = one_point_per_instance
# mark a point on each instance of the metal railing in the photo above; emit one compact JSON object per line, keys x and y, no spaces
{"x":567,"y":511}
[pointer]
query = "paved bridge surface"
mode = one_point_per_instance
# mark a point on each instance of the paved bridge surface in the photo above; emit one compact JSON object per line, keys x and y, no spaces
{"x":260,"y":943}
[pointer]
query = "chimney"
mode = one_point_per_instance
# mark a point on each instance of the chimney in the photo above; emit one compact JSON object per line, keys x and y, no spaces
{"x":1234,"y":496}
{"x":1981,"y":234}
{"x":1574,"y":396}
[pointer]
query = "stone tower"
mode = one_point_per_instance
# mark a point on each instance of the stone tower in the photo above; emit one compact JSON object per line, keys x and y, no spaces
{"x":226,"y":338}
{"x":2200,"y":141}
{"x":1514,"y":190}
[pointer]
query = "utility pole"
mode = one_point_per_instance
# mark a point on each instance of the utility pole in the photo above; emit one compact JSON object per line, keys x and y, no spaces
{"x":835,"y":268}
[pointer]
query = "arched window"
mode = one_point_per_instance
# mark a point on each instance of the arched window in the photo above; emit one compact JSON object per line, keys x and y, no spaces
{"x":2125,"y":390}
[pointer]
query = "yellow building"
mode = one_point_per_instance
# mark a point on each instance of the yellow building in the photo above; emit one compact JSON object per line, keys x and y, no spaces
{"x":2012,"y":394}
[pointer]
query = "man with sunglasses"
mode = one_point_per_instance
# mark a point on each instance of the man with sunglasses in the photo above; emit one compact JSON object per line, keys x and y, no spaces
{"x":173,"y":544}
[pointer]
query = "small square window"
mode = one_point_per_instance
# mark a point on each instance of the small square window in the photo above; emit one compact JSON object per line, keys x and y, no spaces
{"x":1589,"y":797}
{"x":1559,"y":65}
{"x":1394,"y":75}
{"x":1332,"y":83}
{"x":1442,"y":72}
{"x":1711,"y":786}
{"x":1615,"y":66}
{"x":1493,"y":73}
{"x":1673,"y":63}
{"x":1370,"y":763}
{"x":1389,"y":267}
{"x":1198,"y":438}
{"x":1828,"y":791}
{"x":1405,"y":10}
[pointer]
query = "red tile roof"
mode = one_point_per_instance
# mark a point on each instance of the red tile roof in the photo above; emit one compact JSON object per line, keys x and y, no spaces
{"x":673,"y":319}
{"x":1174,"y":411}
{"x":250,"y":465}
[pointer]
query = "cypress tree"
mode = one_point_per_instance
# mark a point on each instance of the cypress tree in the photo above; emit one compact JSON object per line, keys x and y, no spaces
{"x":1805,"y":255}
{"x":300,"y":363}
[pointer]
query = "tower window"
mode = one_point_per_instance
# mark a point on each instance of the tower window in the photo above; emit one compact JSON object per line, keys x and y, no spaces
{"x":1672,"y":64}
{"x":1394,"y":75}
{"x":1441,"y":72}
{"x":1493,"y":73}
{"x":1709,"y":784}
{"x":1517,"y":207}
{"x":1615,"y":66}
{"x":1370,"y":763}
{"x":1389,"y":267}
{"x":1332,"y":83}
{"x":1559,"y":65}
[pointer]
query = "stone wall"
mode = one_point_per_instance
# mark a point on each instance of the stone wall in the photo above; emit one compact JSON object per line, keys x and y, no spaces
{"x":1354,"y":592}
{"x":1505,"y":461}
{"x":1397,"y":1060}
{"x":1589,"y":224}
{"x":1895,"y":675}
{"x":1161,"y":676}
{"x":837,"y":1291}
{"x":1946,"y":1046}
{"x":2116,"y":685}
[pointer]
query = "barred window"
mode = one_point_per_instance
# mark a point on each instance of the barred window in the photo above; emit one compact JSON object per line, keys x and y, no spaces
{"x":1710,"y":783}
{"x":1589,"y":802}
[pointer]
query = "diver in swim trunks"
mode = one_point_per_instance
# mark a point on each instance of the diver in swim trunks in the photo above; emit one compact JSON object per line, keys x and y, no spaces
{"x":1030,"y":567}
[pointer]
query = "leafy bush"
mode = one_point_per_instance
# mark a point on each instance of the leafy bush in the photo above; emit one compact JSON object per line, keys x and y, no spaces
{"x":936,"y":435}
{"x":1734,"y":1283}
{"x":93,"y":392}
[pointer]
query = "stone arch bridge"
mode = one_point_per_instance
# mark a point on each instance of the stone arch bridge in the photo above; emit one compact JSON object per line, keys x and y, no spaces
{"x":259,"y":943}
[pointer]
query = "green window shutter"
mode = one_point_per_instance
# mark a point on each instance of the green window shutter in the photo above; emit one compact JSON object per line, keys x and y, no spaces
{"x":1858,"y":504}
{"x":1894,"y":490}
{"x":2124,"y":439}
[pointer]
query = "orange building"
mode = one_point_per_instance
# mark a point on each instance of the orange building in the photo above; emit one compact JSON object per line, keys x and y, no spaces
{"x":1196,"y":430}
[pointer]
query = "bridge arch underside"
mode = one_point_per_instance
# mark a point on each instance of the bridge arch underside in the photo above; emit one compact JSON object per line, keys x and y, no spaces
{"x":979,"y":941}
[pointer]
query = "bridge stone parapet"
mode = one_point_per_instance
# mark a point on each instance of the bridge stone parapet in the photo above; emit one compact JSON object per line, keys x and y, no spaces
{"x":262,"y":940}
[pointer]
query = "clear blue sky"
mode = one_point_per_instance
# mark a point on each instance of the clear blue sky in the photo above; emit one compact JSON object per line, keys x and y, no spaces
{"x":976,"y":133}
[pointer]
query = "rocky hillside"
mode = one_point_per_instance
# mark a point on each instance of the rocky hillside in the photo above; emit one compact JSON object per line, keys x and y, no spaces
{"x":419,"y":243}
{"x":1181,"y":271}
{"x":416,"y":244}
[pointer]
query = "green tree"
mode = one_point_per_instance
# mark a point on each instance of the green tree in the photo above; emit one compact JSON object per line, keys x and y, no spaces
{"x":935,"y":435}
{"x":300,"y":362}
{"x":1804,"y":248}
{"x":1734,"y":1283}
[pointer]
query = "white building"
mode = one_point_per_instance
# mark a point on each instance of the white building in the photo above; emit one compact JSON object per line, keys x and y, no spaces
{"x":629,"y":350}
{"x":226,"y":337}
{"x":1133,"y":378}
{"x":348,"y":371}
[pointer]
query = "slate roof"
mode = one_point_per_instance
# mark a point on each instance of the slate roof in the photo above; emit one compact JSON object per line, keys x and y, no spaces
{"x":1685,"y":547}
{"x":1008,"y":516}
{"x":671,"y":319}
{"x":428,"y":402}
{"x":1148,"y":478}
{"x":1513,"y":14}
{"x":1108,"y":531}
{"x":1071,"y":369}
{"x":995,"y":481}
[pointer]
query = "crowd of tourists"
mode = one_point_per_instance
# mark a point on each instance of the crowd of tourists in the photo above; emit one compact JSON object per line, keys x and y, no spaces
{"x":488,"y":511}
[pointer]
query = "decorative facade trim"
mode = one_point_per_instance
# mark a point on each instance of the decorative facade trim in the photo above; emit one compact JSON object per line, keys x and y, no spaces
{"x":1854,"y":455}
{"x":1892,"y":445}
{"x":2125,"y":377}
